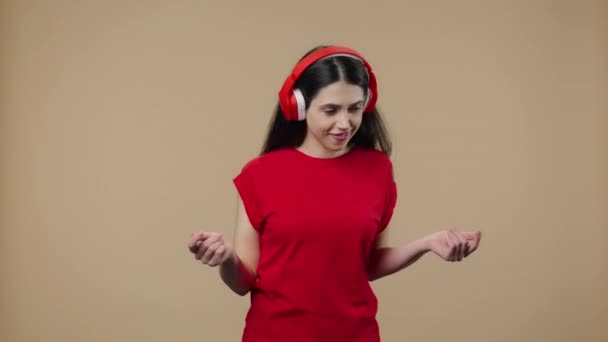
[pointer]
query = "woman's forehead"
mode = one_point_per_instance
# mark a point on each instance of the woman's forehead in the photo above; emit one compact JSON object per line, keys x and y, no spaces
{"x":340,"y":93}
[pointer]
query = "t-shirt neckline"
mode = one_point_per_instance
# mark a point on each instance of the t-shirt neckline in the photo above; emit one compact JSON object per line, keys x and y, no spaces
{"x":321,"y":159}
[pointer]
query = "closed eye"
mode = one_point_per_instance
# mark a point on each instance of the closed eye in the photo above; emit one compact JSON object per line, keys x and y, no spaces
{"x":355,"y":109}
{"x":332,"y":109}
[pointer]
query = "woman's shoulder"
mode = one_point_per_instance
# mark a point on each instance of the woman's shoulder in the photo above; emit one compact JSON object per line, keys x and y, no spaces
{"x":268,"y":159}
{"x":373,"y":156}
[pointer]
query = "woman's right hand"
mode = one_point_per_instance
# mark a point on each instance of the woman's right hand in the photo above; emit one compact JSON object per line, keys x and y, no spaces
{"x":453,"y":245}
{"x":210,"y":248}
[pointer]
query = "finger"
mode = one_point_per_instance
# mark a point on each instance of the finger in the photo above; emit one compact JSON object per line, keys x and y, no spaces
{"x":200,"y":252}
{"x":451,"y":245}
{"x":211,"y":251}
{"x":462,"y":242}
{"x":204,"y":246}
{"x":192,"y":241}
{"x":197,"y":236}
{"x":473,"y":239}
{"x":218,"y":256}
{"x":455,"y":245}
{"x":195,"y":247}
{"x":212,"y":238}
{"x":470,"y":247}
{"x":459,"y":245}
{"x":472,"y":236}
{"x":458,"y":251}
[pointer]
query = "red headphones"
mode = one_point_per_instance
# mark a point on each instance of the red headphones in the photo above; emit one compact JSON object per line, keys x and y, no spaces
{"x":291,"y":99}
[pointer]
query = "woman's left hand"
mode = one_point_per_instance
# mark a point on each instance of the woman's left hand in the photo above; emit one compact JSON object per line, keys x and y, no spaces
{"x":452,"y":245}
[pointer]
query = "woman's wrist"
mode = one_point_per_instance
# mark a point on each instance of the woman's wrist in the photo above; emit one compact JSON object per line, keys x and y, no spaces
{"x":231,"y":259}
{"x":424,"y":244}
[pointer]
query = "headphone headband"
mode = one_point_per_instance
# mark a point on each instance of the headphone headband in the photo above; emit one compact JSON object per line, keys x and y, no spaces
{"x":290,"y":104}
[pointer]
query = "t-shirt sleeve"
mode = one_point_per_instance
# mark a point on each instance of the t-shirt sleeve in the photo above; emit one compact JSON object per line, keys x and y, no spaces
{"x":391,"y":198}
{"x":247,"y":185}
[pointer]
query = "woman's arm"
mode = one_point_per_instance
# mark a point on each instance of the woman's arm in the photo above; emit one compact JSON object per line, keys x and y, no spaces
{"x":237,"y":261}
{"x":238,"y":272}
{"x":450,"y":245}
{"x":386,"y":260}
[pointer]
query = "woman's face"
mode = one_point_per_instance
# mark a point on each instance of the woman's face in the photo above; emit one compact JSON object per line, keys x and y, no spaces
{"x":333,"y":118}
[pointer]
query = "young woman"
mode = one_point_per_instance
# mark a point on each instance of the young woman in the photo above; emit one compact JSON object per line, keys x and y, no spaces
{"x":313,"y":208}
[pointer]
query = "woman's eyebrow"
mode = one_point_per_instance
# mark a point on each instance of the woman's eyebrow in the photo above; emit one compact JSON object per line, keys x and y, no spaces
{"x":337,"y":105}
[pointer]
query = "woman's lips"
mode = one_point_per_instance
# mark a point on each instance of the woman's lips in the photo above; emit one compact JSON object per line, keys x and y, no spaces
{"x":340,"y":136}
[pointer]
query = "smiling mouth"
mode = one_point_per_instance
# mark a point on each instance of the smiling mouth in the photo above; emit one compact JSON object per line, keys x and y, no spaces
{"x":340,"y":136}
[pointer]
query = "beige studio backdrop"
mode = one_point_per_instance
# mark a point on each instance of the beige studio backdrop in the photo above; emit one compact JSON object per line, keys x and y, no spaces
{"x":124,"y":122}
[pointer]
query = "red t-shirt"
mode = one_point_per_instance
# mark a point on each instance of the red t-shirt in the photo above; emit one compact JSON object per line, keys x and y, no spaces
{"x":317,"y":219}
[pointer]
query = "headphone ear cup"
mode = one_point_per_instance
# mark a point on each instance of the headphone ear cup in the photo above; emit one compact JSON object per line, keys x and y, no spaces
{"x":368,"y":98}
{"x":300,"y":105}
{"x":289,"y":111}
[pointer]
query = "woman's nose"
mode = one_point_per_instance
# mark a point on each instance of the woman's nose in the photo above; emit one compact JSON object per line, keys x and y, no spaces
{"x":343,"y":120}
